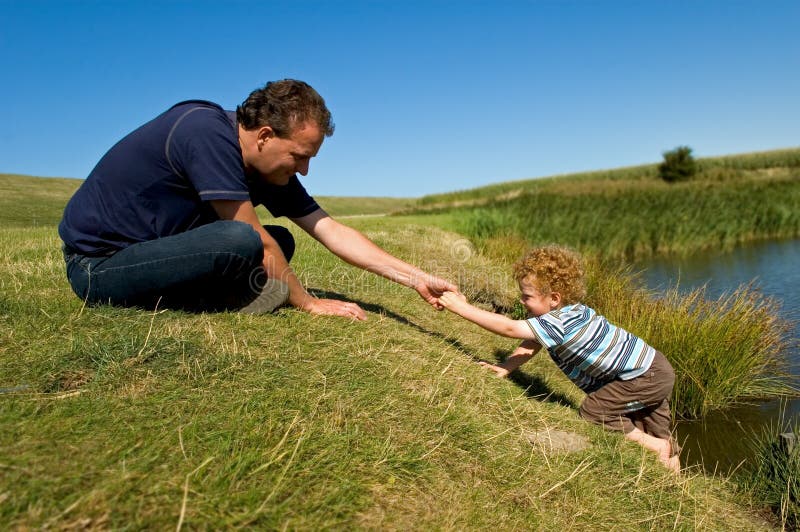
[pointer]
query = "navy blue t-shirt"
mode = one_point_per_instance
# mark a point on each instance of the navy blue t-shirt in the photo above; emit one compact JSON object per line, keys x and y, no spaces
{"x":157,"y":182}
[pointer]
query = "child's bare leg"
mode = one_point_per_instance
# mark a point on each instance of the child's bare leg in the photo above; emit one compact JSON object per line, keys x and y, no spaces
{"x":660,"y":446}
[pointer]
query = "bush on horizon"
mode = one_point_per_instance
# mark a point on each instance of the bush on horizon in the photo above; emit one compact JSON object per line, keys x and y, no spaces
{"x":678,"y":165}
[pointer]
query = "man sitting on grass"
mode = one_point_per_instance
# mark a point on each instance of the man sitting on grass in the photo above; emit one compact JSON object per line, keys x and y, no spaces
{"x":628,"y":383}
{"x":167,"y":216}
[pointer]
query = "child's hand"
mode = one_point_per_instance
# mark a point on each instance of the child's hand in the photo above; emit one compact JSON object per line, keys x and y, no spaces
{"x":452,"y":299}
{"x":498,"y":370}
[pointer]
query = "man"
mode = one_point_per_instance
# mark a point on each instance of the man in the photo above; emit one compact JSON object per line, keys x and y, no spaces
{"x":167,"y":216}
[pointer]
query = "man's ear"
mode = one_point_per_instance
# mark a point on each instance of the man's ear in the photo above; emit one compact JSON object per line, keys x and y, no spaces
{"x":265,"y":133}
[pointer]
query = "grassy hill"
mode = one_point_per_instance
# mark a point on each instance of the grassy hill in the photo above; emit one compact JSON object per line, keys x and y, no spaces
{"x":124,"y":418}
{"x":630,"y":213}
{"x":728,"y":168}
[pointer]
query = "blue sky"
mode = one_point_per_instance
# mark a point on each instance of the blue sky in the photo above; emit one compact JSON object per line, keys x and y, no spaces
{"x":426,"y":96}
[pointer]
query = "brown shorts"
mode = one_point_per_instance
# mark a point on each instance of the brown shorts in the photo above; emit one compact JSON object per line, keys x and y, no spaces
{"x":642,"y":402}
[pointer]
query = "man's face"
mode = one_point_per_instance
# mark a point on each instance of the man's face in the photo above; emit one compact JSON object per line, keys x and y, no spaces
{"x":278,"y":159}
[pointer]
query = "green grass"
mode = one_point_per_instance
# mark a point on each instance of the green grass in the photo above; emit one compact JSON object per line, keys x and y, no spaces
{"x":124,"y":418}
{"x":635,"y":223}
{"x":787,"y":158}
{"x":29,"y":201}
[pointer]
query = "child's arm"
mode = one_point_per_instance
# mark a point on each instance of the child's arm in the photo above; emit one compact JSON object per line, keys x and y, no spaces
{"x":496,"y":323}
{"x":522,"y":354}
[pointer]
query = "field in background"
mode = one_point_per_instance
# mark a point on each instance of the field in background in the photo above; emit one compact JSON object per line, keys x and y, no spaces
{"x":360,"y":206}
{"x":30,"y":201}
{"x":27,"y":201}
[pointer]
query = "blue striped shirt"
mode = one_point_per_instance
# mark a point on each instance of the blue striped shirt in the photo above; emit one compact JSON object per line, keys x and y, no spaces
{"x":588,"y":349}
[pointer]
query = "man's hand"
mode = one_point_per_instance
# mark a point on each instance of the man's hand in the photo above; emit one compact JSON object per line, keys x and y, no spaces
{"x":431,"y":288}
{"x":499,"y":371}
{"x":333,"y":307}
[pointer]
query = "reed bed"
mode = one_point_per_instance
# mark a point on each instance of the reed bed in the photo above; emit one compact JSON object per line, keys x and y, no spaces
{"x":638,"y":222}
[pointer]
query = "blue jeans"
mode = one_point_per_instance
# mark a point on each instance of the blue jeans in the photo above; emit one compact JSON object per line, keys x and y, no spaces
{"x":211,"y":268}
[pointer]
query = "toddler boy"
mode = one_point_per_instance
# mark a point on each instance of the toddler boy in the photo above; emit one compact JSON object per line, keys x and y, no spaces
{"x":627,"y":382}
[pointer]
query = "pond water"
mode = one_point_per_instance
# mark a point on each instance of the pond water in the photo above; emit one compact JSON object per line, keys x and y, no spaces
{"x":719,"y":441}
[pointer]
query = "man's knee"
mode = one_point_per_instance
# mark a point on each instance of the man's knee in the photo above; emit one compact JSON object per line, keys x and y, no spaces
{"x":240,"y":238}
{"x":284,"y":239}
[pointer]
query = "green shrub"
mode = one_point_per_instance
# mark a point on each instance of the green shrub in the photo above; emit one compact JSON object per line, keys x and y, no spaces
{"x":678,"y":165}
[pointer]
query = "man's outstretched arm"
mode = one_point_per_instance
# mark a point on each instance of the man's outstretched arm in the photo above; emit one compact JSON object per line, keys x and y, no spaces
{"x":356,"y":249}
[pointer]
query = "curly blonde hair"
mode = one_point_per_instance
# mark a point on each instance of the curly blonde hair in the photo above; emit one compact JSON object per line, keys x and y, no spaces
{"x":553,"y":269}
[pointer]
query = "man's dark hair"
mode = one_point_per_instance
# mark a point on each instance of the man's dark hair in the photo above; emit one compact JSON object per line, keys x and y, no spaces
{"x":283,"y":105}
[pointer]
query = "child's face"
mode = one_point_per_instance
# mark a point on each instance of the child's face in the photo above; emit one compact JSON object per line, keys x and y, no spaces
{"x":535,"y":301}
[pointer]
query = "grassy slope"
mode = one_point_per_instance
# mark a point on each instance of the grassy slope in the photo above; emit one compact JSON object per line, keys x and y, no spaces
{"x":139,"y":419}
